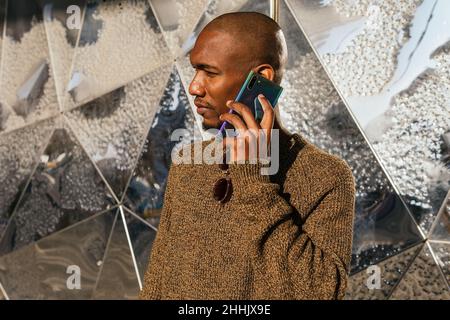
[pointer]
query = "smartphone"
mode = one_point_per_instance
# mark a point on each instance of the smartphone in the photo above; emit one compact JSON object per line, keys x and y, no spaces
{"x":254,"y":85}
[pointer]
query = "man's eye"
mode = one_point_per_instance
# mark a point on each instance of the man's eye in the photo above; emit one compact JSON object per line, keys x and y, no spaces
{"x":208,"y":73}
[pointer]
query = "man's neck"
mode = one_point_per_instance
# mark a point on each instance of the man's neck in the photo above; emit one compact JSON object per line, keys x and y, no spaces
{"x":284,"y":134}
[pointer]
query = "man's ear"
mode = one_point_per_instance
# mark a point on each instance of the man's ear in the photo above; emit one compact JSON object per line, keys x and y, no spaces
{"x":266,"y":70}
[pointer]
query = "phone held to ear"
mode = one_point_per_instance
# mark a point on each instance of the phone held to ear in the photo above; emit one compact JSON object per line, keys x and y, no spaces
{"x":254,"y":85}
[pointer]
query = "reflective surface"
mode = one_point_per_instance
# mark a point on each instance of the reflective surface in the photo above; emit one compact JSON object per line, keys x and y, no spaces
{"x":423,"y":280}
{"x":142,"y":48}
{"x":390,"y":61}
{"x":27,"y":84}
{"x":441,"y":227}
{"x":177,"y":19}
{"x":43,"y":269}
{"x":2,"y":22}
{"x":362,"y":287}
{"x":2,"y":293}
{"x":62,"y":35}
{"x":112,"y":128}
{"x":117,"y":279}
{"x":142,"y":236}
{"x":19,"y":153}
{"x":442,"y":254}
{"x":64,"y":189}
{"x":145,"y":191}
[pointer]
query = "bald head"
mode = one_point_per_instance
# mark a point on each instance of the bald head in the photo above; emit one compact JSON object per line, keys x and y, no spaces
{"x":258,"y":38}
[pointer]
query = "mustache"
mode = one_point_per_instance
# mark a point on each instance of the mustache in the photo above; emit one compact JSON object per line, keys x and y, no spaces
{"x":205,"y":104}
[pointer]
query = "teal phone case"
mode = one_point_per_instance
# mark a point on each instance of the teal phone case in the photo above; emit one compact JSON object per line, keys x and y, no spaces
{"x":248,"y":95}
{"x":254,"y":85}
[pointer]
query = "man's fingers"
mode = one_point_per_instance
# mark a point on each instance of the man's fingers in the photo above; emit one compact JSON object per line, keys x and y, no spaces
{"x":269,"y":114}
{"x":245,"y":112}
{"x":251,"y":134}
{"x":234,"y":119}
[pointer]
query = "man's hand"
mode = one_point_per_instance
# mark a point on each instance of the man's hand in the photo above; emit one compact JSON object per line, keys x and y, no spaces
{"x":252,"y":136}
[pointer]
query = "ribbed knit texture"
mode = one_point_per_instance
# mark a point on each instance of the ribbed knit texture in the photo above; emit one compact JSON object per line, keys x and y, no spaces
{"x":286,"y":236}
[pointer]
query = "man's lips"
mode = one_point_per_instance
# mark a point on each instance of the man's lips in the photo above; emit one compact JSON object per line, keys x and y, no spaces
{"x":201,"y":107}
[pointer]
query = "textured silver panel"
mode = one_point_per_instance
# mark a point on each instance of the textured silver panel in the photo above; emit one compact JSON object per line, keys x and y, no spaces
{"x":60,"y":19}
{"x":118,"y":278}
{"x":142,"y":49}
{"x":441,"y":251}
{"x":366,"y":285}
{"x":177,"y":19}
{"x":423,"y":280}
{"x":2,"y":293}
{"x":142,"y":236}
{"x":390,"y":60}
{"x":112,"y":128}
{"x":2,"y":23}
{"x":43,"y":270}
{"x":19,"y":153}
{"x":441,"y":228}
{"x":145,"y":191}
{"x":27,"y":83}
{"x":64,"y":189}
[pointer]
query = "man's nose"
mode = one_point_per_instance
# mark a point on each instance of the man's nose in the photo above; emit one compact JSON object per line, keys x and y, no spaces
{"x":196,"y":88}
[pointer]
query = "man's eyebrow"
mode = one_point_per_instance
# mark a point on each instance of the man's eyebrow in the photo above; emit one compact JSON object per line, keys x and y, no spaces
{"x":203,"y":66}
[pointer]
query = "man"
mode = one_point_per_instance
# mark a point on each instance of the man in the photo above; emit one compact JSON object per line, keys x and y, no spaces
{"x":283,"y":236}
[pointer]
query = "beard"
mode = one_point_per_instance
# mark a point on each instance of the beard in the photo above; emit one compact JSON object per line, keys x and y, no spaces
{"x":207,"y":126}
{"x":210,"y":123}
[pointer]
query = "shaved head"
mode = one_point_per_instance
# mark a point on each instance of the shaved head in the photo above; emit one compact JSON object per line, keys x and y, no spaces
{"x":259,"y":38}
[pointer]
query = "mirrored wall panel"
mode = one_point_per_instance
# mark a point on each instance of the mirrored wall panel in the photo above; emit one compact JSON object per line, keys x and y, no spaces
{"x":119,"y":41}
{"x":390,"y":61}
{"x":27,"y":80}
{"x":62,"y":20}
{"x":64,"y":265}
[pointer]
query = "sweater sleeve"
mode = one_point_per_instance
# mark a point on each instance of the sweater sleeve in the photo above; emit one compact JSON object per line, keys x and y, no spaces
{"x":297,"y":256}
{"x":151,"y":287}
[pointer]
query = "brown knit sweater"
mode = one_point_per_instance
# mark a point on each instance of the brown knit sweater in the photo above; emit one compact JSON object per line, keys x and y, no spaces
{"x":285,"y":236}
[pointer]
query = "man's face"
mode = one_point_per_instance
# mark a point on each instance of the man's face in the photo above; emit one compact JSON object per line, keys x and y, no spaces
{"x":221,"y":68}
